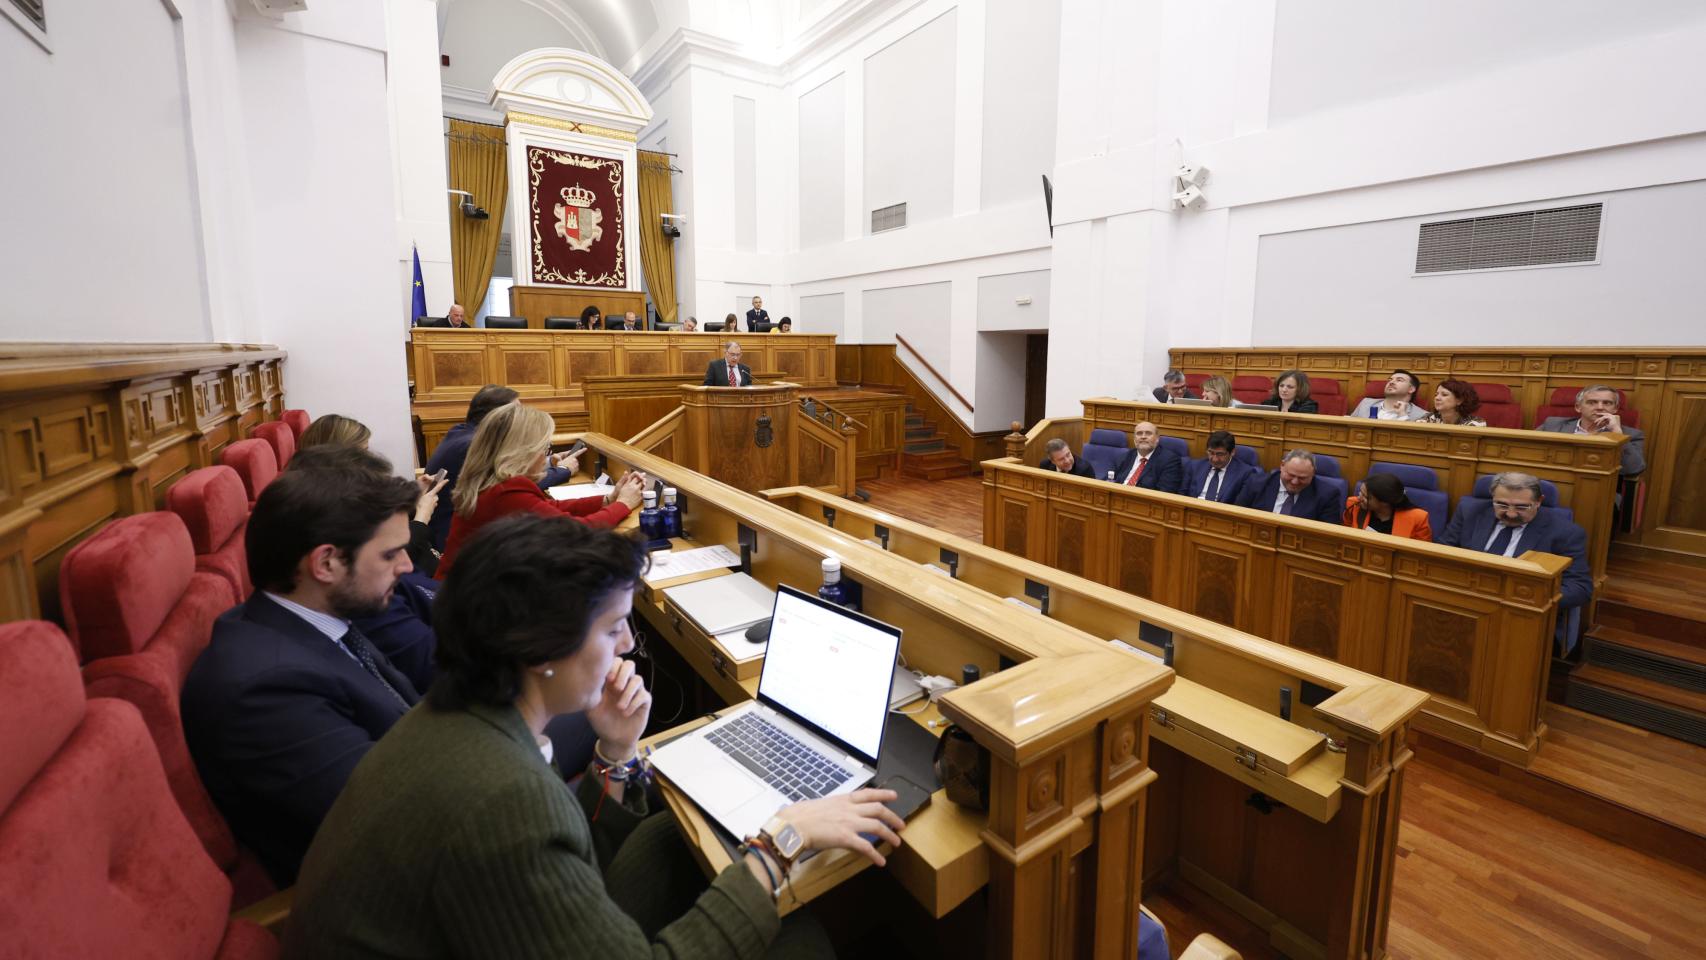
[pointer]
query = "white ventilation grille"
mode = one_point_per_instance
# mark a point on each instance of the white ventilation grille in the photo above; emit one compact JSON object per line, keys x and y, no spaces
{"x":1533,"y":238}
{"x":888,"y":218}
{"x":33,"y":10}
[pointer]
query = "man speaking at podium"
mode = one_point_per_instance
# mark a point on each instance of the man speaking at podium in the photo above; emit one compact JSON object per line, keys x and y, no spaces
{"x":729,"y":371}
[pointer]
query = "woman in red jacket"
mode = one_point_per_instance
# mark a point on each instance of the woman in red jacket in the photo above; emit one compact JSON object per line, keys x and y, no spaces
{"x":1382,"y":506}
{"x":500,"y":477}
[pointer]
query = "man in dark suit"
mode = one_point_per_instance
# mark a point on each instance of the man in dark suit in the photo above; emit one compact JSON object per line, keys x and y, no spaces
{"x":288,"y":696}
{"x":1512,"y":523}
{"x":630,"y":322}
{"x":1148,"y":466}
{"x":1218,"y":476}
{"x":1596,"y":412}
{"x":1293,"y":491}
{"x":1060,"y":459}
{"x":1172,"y":388}
{"x":758,"y":319}
{"x":729,"y":371}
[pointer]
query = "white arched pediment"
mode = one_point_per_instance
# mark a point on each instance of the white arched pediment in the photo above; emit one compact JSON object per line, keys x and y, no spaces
{"x":570,"y":85}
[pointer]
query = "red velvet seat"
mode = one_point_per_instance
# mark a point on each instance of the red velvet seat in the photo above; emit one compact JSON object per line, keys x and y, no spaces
{"x":254,"y":462}
{"x":280,"y":437}
{"x":1195,"y":381}
{"x":140,"y":614}
{"x":214,"y":507}
{"x":1252,"y":389}
{"x":298,"y":421}
{"x":1374,"y":389}
{"x":96,"y":859}
{"x":1329,"y":400}
{"x":1498,"y":405}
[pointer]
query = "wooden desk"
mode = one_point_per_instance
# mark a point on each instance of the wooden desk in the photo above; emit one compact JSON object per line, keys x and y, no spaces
{"x":549,"y":368}
{"x":1063,"y":838}
{"x":1666,"y":384}
{"x":1316,"y":872}
{"x":535,"y":303}
{"x":1584,"y":468}
{"x":1473,"y":630}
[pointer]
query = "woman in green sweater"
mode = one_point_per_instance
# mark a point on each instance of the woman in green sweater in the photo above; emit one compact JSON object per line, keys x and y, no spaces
{"x":455,"y":836}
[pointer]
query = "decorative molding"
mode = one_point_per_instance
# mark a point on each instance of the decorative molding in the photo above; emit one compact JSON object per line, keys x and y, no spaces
{"x":590,"y":129}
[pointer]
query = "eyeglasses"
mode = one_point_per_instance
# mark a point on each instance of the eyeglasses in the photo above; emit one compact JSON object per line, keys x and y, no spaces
{"x":1517,"y":507}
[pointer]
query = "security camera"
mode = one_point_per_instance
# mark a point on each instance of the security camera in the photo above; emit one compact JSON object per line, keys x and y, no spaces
{"x":672,"y":224}
{"x":1190,"y":198}
{"x":1191,"y":175}
{"x":468,"y":209}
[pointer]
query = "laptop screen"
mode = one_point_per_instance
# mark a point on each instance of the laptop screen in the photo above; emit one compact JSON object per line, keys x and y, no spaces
{"x":830,"y":668}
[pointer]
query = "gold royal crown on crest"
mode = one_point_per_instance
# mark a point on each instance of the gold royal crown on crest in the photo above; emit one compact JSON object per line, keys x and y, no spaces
{"x":578,"y":196}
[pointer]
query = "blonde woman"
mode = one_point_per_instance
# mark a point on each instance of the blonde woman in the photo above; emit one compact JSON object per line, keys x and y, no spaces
{"x":1217,"y":391}
{"x":510,"y":452}
{"x":337,"y":431}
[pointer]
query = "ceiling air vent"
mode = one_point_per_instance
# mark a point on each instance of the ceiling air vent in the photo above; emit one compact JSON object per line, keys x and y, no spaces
{"x":888,"y":218}
{"x":32,"y":9}
{"x":1533,"y":238}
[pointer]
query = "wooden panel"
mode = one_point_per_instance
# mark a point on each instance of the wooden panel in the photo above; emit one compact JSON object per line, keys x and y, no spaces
{"x":1685,"y":506}
{"x":1440,"y":654}
{"x":89,"y":432}
{"x":535,"y":303}
{"x":1214,"y":578}
{"x":1312,"y":606}
{"x":1135,"y":550}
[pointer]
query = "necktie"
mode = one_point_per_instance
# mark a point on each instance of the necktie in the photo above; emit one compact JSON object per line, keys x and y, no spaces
{"x":1287,"y":502}
{"x":1214,"y":487}
{"x":1501,"y":541}
{"x":733,"y":380}
{"x":1131,"y":481}
{"x":357,"y":644}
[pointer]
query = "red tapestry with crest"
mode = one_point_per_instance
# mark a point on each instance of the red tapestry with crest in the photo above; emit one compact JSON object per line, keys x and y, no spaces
{"x":576,"y":218}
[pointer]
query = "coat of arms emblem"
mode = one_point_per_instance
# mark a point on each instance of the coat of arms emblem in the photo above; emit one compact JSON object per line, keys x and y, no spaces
{"x":577,"y":219}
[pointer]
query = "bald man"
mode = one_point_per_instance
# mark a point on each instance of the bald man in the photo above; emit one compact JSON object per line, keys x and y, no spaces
{"x":458,"y":317}
{"x":1149,"y":466}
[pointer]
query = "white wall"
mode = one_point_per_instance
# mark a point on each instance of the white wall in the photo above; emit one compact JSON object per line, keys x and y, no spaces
{"x":418,"y":148}
{"x":480,"y":36}
{"x":1021,"y":74}
{"x":1013,"y":302}
{"x":823,"y":164}
{"x":102,"y":238}
{"x":1000,"y":380}
{"x":825,"y":313}
{"x":1357,"y":280}
{"x":744,"y":166}
{"x":909,"y":123}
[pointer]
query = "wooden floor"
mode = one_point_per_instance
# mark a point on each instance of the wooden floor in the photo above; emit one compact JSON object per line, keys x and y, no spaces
{"x":1479,"y":874}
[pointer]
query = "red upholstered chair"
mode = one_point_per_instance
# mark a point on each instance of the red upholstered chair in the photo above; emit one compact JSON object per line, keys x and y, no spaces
{"x":254,"y":461}
{"x":1498,"y":406}
{"x":214,"y":507}
{"x":140,"y":614}
{"x":96,"y":859}
{"x":298,"y":420}
{"x":1328,"y":398}
{"x":1375,"y":389}
{"x":1195,"y":381}
{"x":280,"y":437}
{"x":1252,"y":389}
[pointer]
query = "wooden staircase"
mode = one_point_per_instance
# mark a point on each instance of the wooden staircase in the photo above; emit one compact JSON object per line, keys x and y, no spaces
{"x":1644,"y":660}
{"x":925,"y":454}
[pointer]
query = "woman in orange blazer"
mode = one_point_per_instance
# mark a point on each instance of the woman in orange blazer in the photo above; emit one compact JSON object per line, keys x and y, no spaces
{"x":501,"y":476}
{"x":1382,"y":505}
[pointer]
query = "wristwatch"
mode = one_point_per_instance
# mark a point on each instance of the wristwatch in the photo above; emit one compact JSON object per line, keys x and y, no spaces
{"x":784,"y":840}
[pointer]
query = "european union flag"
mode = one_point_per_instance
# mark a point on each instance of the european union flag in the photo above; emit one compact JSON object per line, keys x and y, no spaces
{"x":418,"y":308}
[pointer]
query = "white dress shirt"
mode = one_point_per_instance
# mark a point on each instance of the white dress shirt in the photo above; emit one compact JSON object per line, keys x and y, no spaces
{"x":333,"y":627}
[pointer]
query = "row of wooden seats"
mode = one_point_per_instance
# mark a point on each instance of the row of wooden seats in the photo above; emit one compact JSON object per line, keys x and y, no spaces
{"x":1499,"y":405}
{"x":139,"y":600}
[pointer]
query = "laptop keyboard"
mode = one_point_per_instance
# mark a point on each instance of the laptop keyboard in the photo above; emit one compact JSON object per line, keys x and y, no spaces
{"x":796,"y":771}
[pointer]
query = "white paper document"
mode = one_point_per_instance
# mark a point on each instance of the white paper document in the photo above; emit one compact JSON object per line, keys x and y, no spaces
{"x":669,"y":564}
{"x":576,"y":491}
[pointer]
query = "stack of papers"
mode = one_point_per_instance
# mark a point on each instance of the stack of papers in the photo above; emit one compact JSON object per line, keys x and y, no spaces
{"x":577,"y":491}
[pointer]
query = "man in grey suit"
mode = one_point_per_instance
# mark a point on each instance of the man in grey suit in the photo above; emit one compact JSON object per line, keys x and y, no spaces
{"x":1596,"y":412}
{"x":1399,"y":402}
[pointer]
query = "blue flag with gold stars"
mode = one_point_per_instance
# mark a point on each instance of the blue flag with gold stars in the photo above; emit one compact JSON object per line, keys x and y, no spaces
{"x":418,"y":309}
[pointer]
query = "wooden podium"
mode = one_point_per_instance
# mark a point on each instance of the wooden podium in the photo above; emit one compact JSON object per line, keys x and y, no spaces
{"x":754,"y":438}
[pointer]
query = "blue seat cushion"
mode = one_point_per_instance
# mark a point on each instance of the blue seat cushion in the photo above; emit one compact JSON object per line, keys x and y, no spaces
{"x":1328,"y":466}
{"x":1413,"y":476}
{"x":1434,"y":502}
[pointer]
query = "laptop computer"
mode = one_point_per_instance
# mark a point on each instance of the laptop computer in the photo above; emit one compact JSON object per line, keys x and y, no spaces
{"x":815,"y":730}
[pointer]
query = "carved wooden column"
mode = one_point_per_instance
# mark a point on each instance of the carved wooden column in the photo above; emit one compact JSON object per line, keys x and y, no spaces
{"x":1068,"y":748}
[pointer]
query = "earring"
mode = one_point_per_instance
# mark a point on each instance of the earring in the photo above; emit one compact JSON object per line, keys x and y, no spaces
{"x":549,"y":673}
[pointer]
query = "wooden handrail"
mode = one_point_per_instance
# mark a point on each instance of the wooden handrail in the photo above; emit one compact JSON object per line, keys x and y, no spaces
{"x":935,"y":373}
{"x":829,"y":407}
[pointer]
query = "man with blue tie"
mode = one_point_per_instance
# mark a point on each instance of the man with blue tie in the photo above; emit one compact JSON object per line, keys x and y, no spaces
{"x":1218,"y":476}
{"x":1294,"y":490}
{"x":1513,"y":523}
{"x":289,"y":695}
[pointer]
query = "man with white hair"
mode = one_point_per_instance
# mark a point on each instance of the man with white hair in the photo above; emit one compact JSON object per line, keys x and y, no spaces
{"x":1596,"y":412}
{"x":729,"y":371}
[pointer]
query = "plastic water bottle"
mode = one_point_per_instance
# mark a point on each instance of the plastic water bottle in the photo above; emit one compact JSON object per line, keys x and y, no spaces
{"x":651,"y":518}
{"x":1111,"y":477}
{"x":671,"y":514}
{"x":832,"y":590}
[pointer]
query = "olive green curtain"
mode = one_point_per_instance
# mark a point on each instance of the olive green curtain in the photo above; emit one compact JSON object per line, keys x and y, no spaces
{"x":479,"y":164}
{"x":657,"y":252}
